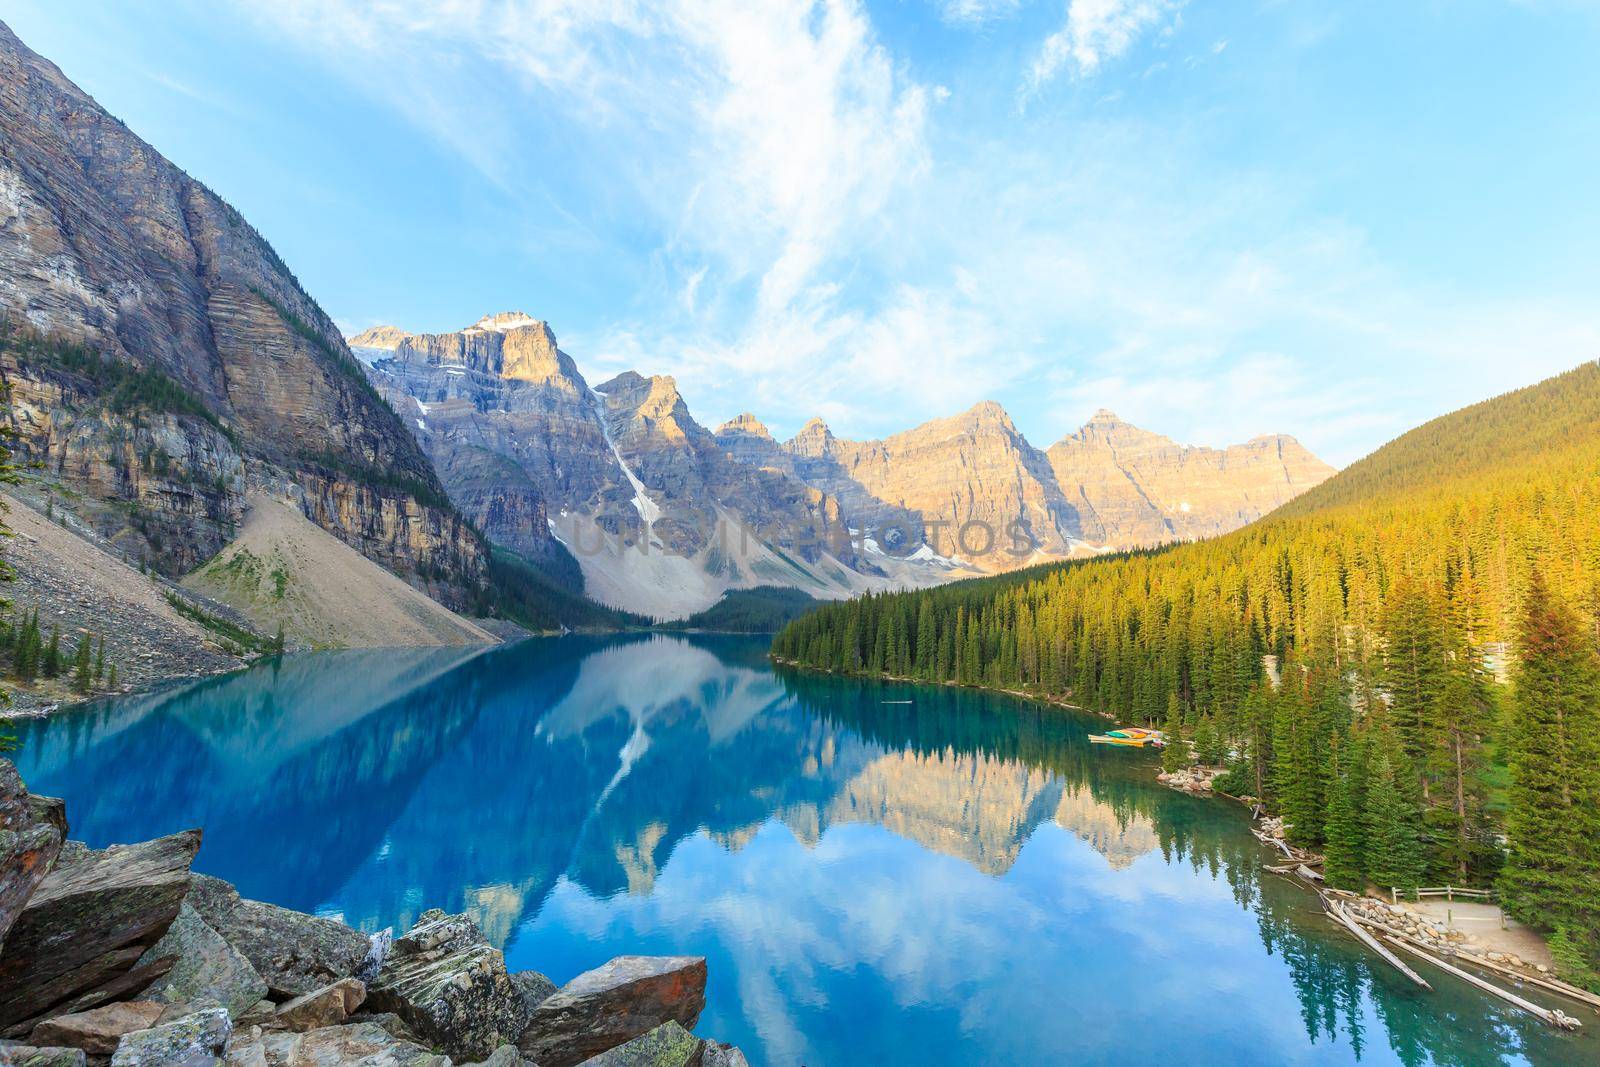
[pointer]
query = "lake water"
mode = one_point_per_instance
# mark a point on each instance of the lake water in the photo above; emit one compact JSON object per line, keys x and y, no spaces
{"x":959,"y":879}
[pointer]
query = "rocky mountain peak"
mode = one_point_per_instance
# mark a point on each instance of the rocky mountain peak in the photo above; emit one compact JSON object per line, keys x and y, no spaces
{"x":383,"y":336}
{"x":988,"y":415}
{"x":812,"y":440}
{"x":745,"y":425}
{"x":1105,"y":417}
{"x":501,"y":321}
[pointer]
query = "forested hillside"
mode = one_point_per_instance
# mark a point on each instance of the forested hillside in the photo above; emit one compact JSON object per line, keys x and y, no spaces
{"x":1341,"y":653}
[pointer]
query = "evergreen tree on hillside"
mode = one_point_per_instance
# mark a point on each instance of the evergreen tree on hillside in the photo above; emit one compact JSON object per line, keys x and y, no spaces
{"x":1175,"y":757}
{"x":1345,"y":834}
{"x":82,"y":678}
{"x":1551,"y":876}
{"x":1392,"y":823}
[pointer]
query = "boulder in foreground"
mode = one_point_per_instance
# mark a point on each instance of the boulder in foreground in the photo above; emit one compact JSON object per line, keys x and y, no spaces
{"x":293,"y":952}
{"x":205,"y":968}
{"x":31,"y":832}
{"x":668,"y":1045}
{"x":196,"y":1040}
{"x":78,"y":942}
{"x":613,"y":1004}
{"x":367,"y":1043}
{"x":30,"y":1056}
{"x":450,"y":986}
{"x":99,"y":1030}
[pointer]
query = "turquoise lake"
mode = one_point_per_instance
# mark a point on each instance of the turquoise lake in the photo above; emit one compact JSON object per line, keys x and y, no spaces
{"x":959,"y":879}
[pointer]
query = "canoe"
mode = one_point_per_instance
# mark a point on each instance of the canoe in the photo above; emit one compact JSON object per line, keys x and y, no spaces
{"x":1132,"y":737}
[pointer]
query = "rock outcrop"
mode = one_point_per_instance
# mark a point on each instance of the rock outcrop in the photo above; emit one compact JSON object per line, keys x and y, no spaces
{"x":31,"y":832}
{"x":122,"y":953}
{"x":450,"y":986}
{"x":294,"y":953}
{"x":205,"y":968}
{"x":162,"y":360}
{"x":80,"y":940}
{"x":613,"y":1004}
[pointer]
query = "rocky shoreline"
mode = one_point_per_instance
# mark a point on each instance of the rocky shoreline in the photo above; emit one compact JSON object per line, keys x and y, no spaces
{"x":126,"y":957}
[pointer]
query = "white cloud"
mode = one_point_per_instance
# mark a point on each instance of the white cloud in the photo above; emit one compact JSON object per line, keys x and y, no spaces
{"x":766,"y":170}
{"x":765,"y":135}
{"x":976,"y":12}
{"x":1095,"y":31}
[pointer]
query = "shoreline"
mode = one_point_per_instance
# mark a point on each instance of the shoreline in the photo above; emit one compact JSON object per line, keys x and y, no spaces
{"x":1268,"y":830}
{"x":1023,"y":694}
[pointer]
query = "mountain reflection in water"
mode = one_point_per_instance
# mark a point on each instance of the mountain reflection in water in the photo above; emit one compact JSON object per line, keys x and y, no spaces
{"x":961,"y":879}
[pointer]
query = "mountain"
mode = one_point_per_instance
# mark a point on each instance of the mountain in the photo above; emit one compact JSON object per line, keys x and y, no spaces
{"x":1129,"y":487}
{"x":163,"y":362}
{"x":620,"y":488}
{"x":972,"y":486}
{"x":618,"y":484}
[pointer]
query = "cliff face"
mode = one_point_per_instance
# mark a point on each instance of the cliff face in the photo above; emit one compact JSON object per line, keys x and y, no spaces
{"x":968,"y":486}
{"x":660,"y":519}
{"x":972,"y":486}
{"x":510,"y":425}
{"x":1131,"y":487}
{"x":204,"y":368}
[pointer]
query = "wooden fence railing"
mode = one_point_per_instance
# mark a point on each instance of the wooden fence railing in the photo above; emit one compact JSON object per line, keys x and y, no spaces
{"x":1449,"y":892}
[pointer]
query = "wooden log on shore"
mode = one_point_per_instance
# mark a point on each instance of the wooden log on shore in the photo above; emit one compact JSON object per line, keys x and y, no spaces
{"x":1552,"y":984}
{"x":1555,"y":1017}
{"x":1337,"y":911}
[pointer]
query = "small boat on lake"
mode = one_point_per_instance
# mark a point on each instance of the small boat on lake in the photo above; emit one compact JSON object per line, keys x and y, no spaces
{"x":1132,"y":736}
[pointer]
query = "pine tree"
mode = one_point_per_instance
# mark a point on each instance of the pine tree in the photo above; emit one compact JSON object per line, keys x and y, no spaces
{"x":1554,"y":753}
{"x":1345,"y":846}
{"x":82,"y":678}
{"x":1392,"y":822}
{"x":50,"y":666}
{"x":99,"y":660}
{"x":1175,"y":757}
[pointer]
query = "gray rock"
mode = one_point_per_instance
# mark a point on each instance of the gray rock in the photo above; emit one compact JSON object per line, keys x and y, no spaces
{"x":451,"y":987}
{"x":96,"y":1031}
{"x":668,"y":1045}
{"x":379,"y":946}
{"x":205,"y":967}
{"x":535,"y":988}
{"x":30,"y":840}
{"x":329,"y":1006}
{"x":716,"y":1054}
{"x":613,"y":1004}
{"x":504,"y":1056}
{"x":435,"y":931}
{"x":30,"y":1056}
{"x":293,"y":952}
{"x":196,"y":1040}
{"x":362,"y":1044}
{"x":79,"y":941}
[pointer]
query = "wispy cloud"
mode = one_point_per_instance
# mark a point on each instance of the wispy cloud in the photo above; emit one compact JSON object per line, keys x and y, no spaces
{"x":806,"y":226}
{"x":975,"y":12}
{"x":1095,"y":31}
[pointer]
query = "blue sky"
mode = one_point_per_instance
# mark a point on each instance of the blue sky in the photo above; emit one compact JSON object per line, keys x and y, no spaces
{"x":1220,"y":219}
